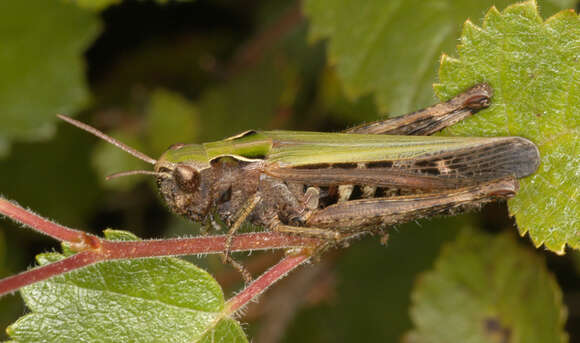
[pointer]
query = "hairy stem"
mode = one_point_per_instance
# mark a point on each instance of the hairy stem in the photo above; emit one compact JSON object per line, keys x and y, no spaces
{"x":15,"y":282}
{"x":40,"y":224}
{"x":261,"y":284}
{"x":93,"y":249}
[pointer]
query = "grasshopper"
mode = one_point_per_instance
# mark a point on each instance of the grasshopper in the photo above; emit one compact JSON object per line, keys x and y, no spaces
{"x":336,"y":185}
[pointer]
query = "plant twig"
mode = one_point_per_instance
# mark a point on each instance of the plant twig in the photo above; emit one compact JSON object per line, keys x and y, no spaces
{"x":15,"y":282}
{"x":281,"y":305}
{"x":271,"y":276}
{"x":93,"y":249}
{"x":40,"y":224}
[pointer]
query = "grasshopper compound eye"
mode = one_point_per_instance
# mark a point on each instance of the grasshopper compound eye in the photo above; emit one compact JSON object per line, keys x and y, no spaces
{"x":186,"y":177}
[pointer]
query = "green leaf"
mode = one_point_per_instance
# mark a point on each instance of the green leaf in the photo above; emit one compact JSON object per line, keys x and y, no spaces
{"x":532,"y":66}
{"x":391,"y":48}
{"x":41,"y":64}
{"x":145,"y":300}
{"x":172,"y":119}
{"x":487,"y":289}
{"x":120,"y":235}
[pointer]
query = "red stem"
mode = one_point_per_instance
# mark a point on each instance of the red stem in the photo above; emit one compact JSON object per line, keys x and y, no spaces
{"x":202,"y":245}
{"x":262,"y":283}
{"x":15,"y":282}
{"x":42,"y":225}
{"x":93,"y":249}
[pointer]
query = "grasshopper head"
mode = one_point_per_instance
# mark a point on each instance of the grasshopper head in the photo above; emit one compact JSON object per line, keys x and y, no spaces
{"x":183,"y":173}
{"x":184,"y":180}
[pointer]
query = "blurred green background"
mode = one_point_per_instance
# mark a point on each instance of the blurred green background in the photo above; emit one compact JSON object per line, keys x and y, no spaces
{"x":156,"y":73}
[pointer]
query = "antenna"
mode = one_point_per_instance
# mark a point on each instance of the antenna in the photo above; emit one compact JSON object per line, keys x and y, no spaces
{"x":133,"y":172}
{"x":109,"y":139}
